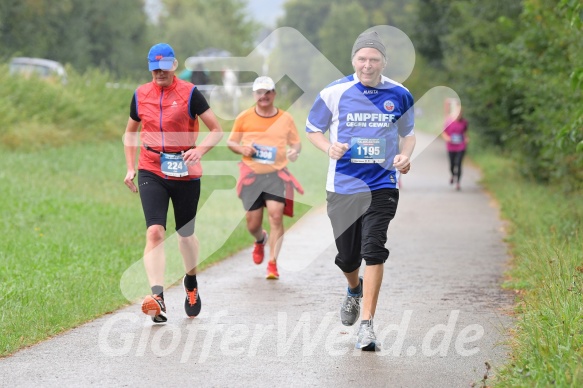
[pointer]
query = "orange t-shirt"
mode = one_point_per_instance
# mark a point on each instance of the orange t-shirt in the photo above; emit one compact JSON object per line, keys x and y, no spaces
{"x":267,"y":134}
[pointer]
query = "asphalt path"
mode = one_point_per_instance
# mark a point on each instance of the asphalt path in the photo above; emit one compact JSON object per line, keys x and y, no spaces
{"x":441,"y":316}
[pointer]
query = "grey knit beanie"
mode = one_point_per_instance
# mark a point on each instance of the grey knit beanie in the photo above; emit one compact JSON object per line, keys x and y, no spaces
{"x":369,"y":39}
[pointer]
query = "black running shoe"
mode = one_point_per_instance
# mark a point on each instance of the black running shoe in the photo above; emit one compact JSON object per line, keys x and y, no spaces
{"x":192,"y":303}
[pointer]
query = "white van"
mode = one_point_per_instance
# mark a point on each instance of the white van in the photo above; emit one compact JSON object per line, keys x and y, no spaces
{"x":43,"y":68}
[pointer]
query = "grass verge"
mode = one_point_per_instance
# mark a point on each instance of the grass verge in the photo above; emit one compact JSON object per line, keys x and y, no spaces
{"x":547,"y":274}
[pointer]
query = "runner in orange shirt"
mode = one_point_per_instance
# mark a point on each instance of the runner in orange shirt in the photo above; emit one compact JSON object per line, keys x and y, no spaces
{"x":262,"y":135}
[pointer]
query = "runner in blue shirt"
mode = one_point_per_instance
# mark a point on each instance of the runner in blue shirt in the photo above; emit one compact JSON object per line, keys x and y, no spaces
{"x":370,"y":122}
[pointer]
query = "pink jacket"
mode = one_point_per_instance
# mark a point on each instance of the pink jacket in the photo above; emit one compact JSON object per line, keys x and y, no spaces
{"x":456,"y":130}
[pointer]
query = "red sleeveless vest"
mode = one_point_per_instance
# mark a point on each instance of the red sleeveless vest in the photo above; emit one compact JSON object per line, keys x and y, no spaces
{"x":166,"y":124}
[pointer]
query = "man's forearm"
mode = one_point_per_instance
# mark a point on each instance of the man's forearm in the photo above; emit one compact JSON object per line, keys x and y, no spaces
{"x":319,"y":140}
{"x":407,"y":145}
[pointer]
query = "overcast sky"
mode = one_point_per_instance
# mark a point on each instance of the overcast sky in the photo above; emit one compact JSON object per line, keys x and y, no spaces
{"x":264,"y":11}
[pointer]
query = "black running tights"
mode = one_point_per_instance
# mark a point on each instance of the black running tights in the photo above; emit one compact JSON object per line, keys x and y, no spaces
{"x":455,"y":164}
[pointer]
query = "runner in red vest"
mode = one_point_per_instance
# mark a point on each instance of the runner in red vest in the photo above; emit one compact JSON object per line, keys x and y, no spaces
{"x":169,"y":168}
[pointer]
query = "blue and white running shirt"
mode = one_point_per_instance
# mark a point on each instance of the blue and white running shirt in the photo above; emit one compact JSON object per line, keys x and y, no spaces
{"x":370,"y":121}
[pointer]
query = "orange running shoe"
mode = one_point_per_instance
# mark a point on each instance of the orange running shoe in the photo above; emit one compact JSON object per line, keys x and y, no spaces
{"x":259,"y":250}
{"x":272,"y":271}
{"x":192,"y":304}
{"x":154,"y":306}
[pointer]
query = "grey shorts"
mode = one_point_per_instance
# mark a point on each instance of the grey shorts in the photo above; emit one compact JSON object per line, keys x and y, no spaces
{"x":267,"y":187}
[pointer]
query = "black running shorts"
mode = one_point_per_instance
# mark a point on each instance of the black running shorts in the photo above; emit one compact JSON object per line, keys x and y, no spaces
{"x":360,"y":223}
{"x":155,"y":193}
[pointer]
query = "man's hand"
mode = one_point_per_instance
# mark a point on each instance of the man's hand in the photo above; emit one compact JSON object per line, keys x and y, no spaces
{"x":292,"y":154}
{"x":406,"y":169}
{"x":247,"y":151}
{"x":402,"y":163}
{"x":337,"y":150}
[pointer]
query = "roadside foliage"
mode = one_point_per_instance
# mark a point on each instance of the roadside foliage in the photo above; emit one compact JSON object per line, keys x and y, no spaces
{"x":518,"y":66}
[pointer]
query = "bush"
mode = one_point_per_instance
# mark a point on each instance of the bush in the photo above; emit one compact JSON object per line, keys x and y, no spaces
{"x":39,"y":114}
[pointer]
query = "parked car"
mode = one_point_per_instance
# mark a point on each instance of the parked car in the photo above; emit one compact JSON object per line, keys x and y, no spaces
{"x":39,"y":67}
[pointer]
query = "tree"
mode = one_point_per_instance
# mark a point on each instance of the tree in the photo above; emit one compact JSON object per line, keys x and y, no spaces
{"x":307,"y":17}
{"x":517,"y":66}
{"x":193,"y":25}
{"x":333,"y":26}
{"x":338,"y":32}
{"x":430,"y":28}
{"x":470,"y":54}
{"x":28,"y":28}
{"x":107,"y":34}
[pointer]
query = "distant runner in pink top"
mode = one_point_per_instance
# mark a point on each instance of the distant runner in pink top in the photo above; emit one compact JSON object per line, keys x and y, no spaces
{"x":456,"y":136}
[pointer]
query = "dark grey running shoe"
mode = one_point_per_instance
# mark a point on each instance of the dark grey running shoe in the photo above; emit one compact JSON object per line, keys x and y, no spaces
{"x":350,"y":309}
{"x":366,"y":338}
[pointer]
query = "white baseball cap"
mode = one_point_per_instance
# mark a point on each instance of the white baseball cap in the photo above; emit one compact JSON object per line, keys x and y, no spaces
{"x":263,"y":82}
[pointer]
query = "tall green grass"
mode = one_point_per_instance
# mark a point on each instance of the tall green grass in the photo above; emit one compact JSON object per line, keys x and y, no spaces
{"x":37,"y":114}
{"x":545,"y":234}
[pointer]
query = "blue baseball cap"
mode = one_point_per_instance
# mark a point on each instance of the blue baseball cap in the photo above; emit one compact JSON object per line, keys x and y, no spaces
{"x":161,"y":57}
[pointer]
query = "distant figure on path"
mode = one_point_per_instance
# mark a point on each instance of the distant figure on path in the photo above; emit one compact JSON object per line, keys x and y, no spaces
{"x":456,"y":137}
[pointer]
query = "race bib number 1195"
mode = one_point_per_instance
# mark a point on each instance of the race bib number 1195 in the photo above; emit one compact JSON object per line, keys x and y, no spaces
{"x":366,"y":150}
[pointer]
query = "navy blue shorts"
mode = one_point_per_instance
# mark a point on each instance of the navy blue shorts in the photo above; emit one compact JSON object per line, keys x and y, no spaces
{"x":360,"y":223}
{"x":156,"y":193}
